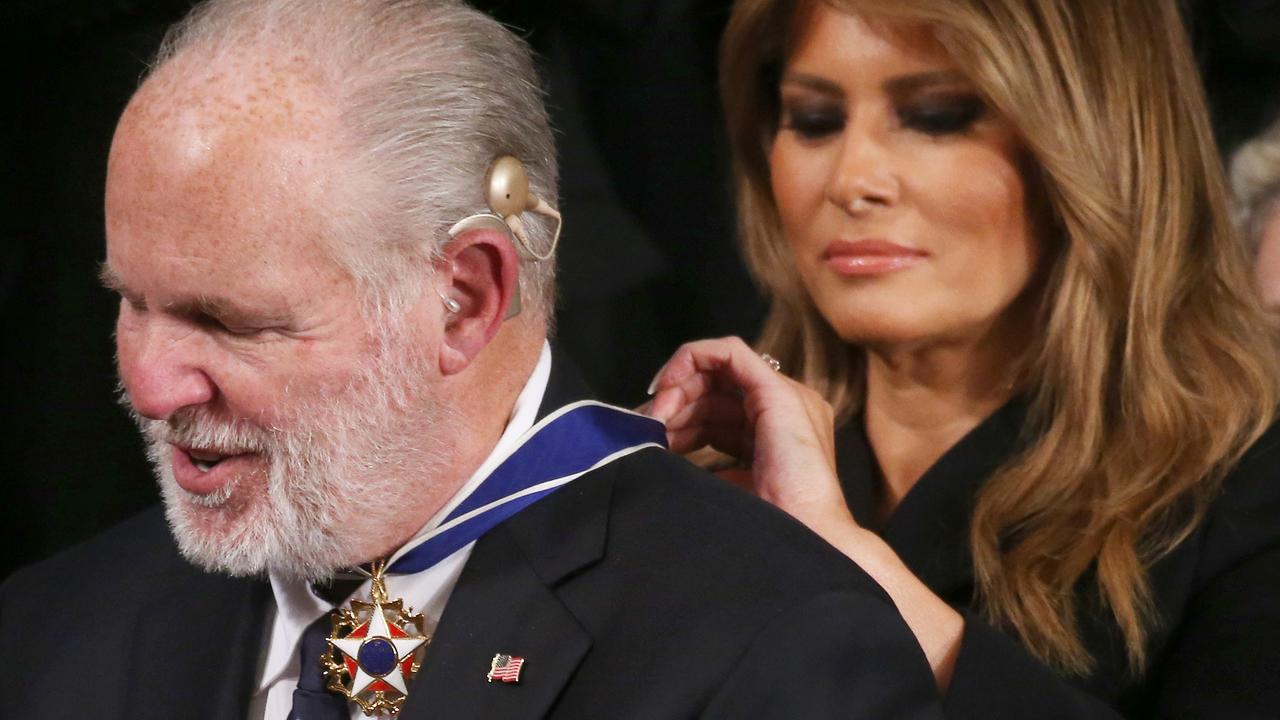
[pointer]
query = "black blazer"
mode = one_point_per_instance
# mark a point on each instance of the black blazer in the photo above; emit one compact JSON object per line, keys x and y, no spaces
{"x":1216,"y":653}
{"x":647,"y":589}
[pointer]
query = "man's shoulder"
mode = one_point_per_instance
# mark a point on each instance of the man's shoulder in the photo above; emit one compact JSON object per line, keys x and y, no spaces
{"x":723,"y":600}
{"x":125,"y":616}
{"x":679,"y":534}
{"x":122,"y":562}
{"x":677,"y":510}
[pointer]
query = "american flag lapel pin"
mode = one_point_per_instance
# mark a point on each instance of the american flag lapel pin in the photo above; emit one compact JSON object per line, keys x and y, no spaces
{"x":505,"y":668}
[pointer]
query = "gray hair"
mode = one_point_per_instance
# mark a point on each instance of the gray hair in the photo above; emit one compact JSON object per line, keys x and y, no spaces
{"x":430,"y":93}
{"x":1255,"y":180}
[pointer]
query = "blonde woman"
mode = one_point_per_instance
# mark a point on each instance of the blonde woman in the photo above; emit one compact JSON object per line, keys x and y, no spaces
{"x":996,"y":241}
{"x":1255,"y":180}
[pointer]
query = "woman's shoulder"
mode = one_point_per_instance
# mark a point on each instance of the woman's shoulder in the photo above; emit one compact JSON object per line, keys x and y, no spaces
{"x":1244,"y":519}
{"x":1255,"y":481}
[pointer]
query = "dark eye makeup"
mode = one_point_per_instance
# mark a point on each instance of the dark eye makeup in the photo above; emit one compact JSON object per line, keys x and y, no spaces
{"x":950,"y":114}
{"x":813,"y":122}
{"x":934,"y":115}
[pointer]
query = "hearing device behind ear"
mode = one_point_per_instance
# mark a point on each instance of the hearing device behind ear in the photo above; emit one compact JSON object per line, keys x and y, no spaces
{"x":507,"y":193}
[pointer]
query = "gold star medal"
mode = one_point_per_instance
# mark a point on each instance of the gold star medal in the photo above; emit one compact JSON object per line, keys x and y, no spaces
{"x":375,"y":649}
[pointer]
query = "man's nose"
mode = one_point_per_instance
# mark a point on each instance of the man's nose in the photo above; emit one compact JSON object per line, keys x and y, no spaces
{"x":863,"y":177}
{"x":162,"y":367}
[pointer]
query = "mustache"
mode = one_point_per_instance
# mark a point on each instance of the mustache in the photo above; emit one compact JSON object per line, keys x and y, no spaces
{"x":198,"y":426}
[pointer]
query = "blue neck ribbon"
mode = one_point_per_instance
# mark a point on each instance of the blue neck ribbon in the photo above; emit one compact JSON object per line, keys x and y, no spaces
{"x":567,"y":443}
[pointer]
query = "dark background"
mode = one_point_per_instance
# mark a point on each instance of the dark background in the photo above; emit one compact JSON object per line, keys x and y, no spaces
{"x":647,"y":260}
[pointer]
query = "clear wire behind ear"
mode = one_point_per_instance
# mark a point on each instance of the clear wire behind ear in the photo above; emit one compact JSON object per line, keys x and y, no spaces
{"x":542,"y":208}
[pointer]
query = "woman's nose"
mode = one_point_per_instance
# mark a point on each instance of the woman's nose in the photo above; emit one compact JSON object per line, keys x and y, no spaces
{"x":863,"y":177}
{"x":162,"y":368}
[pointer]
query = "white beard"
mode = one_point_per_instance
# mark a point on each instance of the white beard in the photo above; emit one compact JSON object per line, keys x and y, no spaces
{"x":336,"y":476}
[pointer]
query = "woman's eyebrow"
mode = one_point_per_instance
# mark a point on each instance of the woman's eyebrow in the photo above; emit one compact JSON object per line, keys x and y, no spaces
{"x":904,"y":84}
{"x":899,"y":85}
{"x":812,"y":82}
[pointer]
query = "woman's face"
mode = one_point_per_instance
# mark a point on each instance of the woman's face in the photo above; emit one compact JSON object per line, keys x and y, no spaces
{"x":899,"y":191}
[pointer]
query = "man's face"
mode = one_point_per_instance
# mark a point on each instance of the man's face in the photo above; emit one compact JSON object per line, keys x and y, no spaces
{"x":287,"y":434}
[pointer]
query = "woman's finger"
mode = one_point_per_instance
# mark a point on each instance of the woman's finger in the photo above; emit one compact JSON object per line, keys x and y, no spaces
{"x":714,"y":420}
{"x":721,"y":438}
{"x":673,"y":396}
{"x":729,"y":365}
{"x":714,"y":409}
{"x":729,"y":355}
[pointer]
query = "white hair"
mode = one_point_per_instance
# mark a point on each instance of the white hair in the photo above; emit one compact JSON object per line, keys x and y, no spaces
{"x":1255,"y":181}
{"x":430,"y":93}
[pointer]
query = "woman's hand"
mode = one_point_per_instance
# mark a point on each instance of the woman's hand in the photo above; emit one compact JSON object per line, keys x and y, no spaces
{"x":721,"y":393}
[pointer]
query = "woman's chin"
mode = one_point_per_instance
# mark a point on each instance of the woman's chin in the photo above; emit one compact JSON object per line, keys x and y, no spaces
{"x":887,"y":332}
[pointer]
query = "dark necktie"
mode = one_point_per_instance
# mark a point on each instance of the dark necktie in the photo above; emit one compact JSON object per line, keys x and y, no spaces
{"x":310,"y":700}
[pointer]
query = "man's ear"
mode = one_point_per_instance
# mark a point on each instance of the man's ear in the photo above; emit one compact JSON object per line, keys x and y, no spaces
{"x":480,"y":273}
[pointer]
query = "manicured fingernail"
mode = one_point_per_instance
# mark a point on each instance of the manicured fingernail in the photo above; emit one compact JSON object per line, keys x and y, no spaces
{"x":653,"y":384}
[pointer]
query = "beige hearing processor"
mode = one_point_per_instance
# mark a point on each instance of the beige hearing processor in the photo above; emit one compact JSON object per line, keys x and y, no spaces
{"x":508,"y":197}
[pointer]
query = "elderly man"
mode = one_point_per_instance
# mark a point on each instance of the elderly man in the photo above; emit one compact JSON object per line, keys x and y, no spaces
{"x":1255,"y":179}
{"x":337,"y":379}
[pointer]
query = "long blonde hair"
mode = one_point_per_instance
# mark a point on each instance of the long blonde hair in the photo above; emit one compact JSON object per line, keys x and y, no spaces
{"x":1154,"y":368}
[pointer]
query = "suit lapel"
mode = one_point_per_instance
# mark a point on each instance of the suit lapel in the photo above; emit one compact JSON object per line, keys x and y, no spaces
{"x":506,"y":601}
{"x":197,"y":648}
{"x":500,"y":605}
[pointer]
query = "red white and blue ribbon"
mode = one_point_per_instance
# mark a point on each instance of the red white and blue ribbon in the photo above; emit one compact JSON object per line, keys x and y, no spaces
{"x":568,"y":443}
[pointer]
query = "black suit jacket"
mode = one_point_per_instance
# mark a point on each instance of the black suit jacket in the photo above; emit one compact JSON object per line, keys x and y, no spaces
{"x":1215,"y":653}
{"x":646,"y":589}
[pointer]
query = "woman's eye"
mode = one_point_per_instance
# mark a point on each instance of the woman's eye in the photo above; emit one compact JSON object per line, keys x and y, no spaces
{"x":950,"y":116}
{"x":813,"y":124}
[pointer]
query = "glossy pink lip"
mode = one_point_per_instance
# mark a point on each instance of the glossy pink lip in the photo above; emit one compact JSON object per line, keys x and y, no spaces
{"x":870,"y":256}
{"x":201,"y":482}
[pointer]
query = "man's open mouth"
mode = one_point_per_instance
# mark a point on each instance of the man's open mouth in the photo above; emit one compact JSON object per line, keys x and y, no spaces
{"x":206,"y":460}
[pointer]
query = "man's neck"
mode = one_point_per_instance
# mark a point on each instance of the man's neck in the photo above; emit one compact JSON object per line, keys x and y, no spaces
{"x":489,"y":419}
